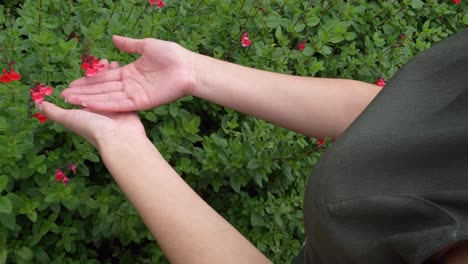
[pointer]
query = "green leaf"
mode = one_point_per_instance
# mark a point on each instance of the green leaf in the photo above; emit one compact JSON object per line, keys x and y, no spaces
{"x":308,"y":51}
{"x":32,"y":216}
{"x":273,"y":21}
{"x":24,"y":254}
{"x":254,"y":164}
{"x":312,"y":21}
{"x":235,"y":184}
{"x":258,"y":179}
{"x":91,"y":156}
{"x":325,"y":50}
{"x":417,"y":4}
{"x":219,"y":141}
{"x":256,"y":219}
{"x":465,"y":19}
{"x":3,"y":255}
{"x":52,"y":198}
{"x":278,"y":220}
{"x":279,"y":33}
{"x":8,"y":220}
{"x":3,"y":124}
{"x":3,"y":182}
{"x":5,"y":205}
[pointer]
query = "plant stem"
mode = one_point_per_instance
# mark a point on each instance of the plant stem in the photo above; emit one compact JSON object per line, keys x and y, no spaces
{"x":40,"y":15}
{"x":113,"y":9}
{"x":196,"y":8}
{"x":130,"y":13}
{"x":282,"y":7}
{"x":112,"y":14}
{"x":152,"y":24}
{"x":393,"y":15}
{"x":139,"y":17}
{"x":242,"y":5}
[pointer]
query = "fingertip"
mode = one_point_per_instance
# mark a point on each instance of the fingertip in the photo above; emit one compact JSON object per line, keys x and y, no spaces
{"x":104,"y":62}
{"x":114,"y":65}
{"x":76,"y":82}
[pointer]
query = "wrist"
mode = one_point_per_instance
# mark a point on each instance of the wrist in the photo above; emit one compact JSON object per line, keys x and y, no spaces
{"x":197,"y":67}
{"x":120,"y":138}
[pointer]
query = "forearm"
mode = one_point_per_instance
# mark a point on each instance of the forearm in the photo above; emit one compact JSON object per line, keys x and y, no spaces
{"x":187,"y":229}
{"x":315,"y":107}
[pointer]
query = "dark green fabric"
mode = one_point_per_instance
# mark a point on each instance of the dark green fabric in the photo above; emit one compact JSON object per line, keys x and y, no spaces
{"x":394,"y":187}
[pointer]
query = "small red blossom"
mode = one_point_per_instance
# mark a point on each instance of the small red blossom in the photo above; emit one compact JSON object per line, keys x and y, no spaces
{"x":39,"y":92}
{"x":60,"y":176}
{"x":245,"y":40}
{"x":42,"y":118}
{"x":261,"y":9}
{"x":158,"y":3}
{"x":9,"y":76}
{"x":301,"y":46}
{"x":72,"y":167}
{"x":320,"y":142}
{"x":91,"y":65}
{"x":381,"y":82}
{"x":456,"y":1}
{"x":65,"y":180}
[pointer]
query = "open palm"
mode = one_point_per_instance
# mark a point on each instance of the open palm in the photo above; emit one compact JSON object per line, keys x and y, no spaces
{"x":160,"y":76}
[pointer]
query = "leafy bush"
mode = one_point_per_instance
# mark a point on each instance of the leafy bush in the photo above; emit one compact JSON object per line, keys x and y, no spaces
{"x":250,"y":171}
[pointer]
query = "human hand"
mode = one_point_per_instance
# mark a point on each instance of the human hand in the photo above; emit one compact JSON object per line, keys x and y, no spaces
{"x":94,"y":126}
{"x":161,"y":75}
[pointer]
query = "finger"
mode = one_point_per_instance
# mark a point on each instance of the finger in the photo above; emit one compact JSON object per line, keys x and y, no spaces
{"x":68,"y":118}
{"x":108,"y":87}
{"x":104,"y":76}
{"x":114,"y":65}
{"x":78,"y":99}
{"x":128,"y":44}
{"x":104,"y":62}
{"x":120,"y":105}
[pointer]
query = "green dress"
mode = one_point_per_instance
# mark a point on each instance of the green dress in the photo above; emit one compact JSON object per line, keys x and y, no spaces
{"x":393,"y":188}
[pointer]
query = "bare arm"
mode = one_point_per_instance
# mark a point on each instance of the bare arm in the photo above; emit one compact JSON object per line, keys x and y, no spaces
{"x":187,"y":229}
{"x":317,"y":107}
{"x":166,"y":72}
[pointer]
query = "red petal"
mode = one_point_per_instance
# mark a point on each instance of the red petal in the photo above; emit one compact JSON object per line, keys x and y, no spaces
{"x":47,"y":90}
{"x":14,"y":76}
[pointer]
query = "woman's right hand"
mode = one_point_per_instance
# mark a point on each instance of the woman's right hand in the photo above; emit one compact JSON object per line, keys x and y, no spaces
{"x":163,"y":74}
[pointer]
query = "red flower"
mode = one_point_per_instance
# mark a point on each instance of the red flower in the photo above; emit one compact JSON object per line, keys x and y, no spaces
{"x":60,"y":176}
{"x":39,"y":116}
{"x":9,"y":76}
{"x":91,"y":65}
{"x":381,"y":82}
{"x":72,"y":168}
{"x":320,"y":142}
{"x":158,"y":3}
{"x":301,"y":46}
{"x":261,"y":9}
{"x":37,"y":96}
{"x":65,"y":180}
{"x":456,"y":1}
{"x":245,"y":40}
{"x":39,"y":92}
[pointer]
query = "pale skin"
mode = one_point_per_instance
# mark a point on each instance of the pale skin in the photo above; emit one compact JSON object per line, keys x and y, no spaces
{"x":187,"y":229}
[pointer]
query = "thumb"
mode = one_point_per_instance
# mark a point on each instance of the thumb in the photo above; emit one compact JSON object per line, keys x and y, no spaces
{"x":128,"y":44}
{"x":72,"y":119}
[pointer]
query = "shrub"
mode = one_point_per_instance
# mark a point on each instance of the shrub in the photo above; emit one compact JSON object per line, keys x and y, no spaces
{"x":250,"y":171}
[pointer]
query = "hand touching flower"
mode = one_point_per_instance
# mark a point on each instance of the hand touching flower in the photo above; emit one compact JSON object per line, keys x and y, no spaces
{"x":95,"y":126}
{"x":161,"y":75}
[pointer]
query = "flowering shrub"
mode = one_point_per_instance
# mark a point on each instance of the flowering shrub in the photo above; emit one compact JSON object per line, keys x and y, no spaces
{"x":58,"y":203}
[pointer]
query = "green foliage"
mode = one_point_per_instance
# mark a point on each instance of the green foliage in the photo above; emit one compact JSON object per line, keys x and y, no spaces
{"x":250,"y":171}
